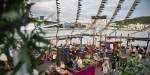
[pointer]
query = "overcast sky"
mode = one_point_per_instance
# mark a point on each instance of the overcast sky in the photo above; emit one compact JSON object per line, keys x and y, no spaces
{"x":89,"y":8}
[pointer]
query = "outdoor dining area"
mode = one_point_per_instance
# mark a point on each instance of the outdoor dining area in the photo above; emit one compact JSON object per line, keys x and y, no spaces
{"x":74,"y":37}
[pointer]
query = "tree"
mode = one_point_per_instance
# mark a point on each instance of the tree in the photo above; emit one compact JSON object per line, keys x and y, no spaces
{"x":14,"y":15}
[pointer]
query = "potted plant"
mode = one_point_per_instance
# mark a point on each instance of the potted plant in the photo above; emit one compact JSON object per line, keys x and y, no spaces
{"x":88,"y":60}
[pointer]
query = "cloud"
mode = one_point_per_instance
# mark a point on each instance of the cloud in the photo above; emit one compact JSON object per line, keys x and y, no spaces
{"x":89,"y":8}
{"x":44,"y":8}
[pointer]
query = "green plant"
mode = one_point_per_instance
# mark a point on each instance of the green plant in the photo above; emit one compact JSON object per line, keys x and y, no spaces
{"x":141,"y":20}
{"x":147,"y":65}
{"x":14,"y":15}
{"x":133,"y":67}
{"x":88,"y":61}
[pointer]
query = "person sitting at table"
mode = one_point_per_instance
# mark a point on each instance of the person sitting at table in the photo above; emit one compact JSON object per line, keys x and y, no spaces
{"x":69,"y":63}
{"x":62,"y":71}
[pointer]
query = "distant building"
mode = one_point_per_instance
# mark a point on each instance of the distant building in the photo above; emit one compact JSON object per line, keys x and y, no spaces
{"x":99,"y":21}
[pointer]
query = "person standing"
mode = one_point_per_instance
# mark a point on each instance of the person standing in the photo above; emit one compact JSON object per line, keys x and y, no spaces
{"x":80,"y":63}
{"x":106,"y":67}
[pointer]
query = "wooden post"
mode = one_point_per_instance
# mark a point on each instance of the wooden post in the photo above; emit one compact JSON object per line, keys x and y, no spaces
{"x":105,"y":37}
{"x":128,"y":41}
{"x":148,"y":41}
{"x":57,"y":40}
{"x":115,"y":35}
{"x":105,"y":46}
{"x":70,"y":40}
{"x":66,"y":41}
{"x":80,"y":42}
{"x":100,"y":37}
{"x":95,"y":42}
{"x":121,"y":37}
{"x":93,"y":39}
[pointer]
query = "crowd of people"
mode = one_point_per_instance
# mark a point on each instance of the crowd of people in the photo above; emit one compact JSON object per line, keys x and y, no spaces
{"x":73,"y":58}
{"x":70,"y":59}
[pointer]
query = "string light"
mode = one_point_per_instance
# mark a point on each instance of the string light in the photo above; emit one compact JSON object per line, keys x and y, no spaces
{"x":131,"y":10}
{"x":101,"y":8}
{"x":77,"y":15}
{"x":114,"y":14}
{"x":78,"y":11}
{"x":58,"y":18}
